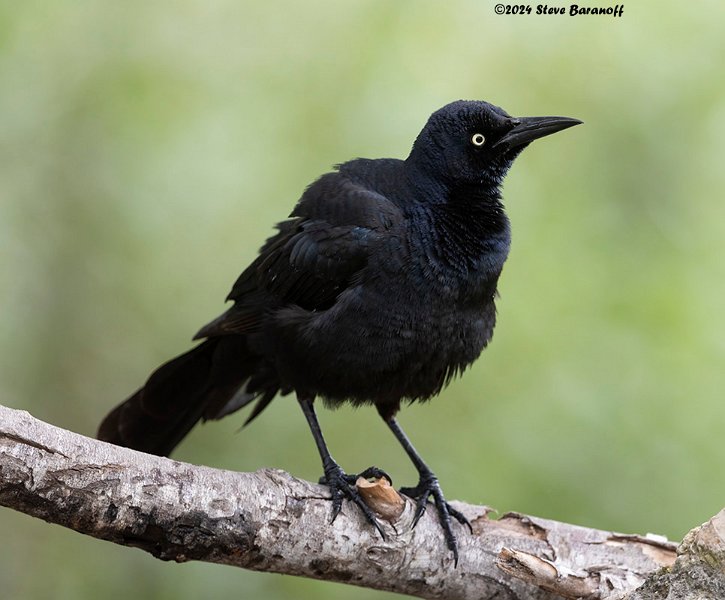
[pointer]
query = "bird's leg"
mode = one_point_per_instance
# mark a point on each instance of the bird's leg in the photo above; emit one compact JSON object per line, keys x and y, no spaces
{"x":428,"y":486}
{"x":340,"y":483}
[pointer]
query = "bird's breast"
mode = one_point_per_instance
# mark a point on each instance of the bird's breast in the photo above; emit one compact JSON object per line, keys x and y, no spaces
{"x":408,"y":324}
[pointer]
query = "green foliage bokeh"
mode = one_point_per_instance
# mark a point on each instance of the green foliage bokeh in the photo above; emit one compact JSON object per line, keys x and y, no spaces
{"x":146,"y":149}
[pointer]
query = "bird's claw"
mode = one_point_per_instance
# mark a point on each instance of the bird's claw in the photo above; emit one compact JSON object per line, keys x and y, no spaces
{"x":372,"y":473}
{"x":342,"y":485}
{"x":429,"y":486}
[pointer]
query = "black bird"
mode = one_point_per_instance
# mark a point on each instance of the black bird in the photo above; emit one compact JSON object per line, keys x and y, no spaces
{"x":379,"y":288}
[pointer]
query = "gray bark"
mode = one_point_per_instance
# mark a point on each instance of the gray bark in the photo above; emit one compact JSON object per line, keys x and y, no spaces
{"x":271,"y":521}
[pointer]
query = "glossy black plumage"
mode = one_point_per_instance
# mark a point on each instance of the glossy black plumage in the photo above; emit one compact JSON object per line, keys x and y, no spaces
{"x":379,"y":288}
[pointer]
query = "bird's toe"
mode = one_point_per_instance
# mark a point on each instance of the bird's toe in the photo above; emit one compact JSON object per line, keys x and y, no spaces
{"x":428,"y":486}
{"x":342,"y":485}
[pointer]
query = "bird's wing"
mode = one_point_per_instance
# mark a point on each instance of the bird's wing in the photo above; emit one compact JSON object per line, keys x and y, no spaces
{"x":318,"y":252}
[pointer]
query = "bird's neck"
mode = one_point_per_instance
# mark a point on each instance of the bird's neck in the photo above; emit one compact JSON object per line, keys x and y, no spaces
{"x":471,"y":229}
{"x":464,"y":226}
{"x":476,"y":206}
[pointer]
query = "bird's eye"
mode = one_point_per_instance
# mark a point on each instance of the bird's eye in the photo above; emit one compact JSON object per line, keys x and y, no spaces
{"x":478,"y":139}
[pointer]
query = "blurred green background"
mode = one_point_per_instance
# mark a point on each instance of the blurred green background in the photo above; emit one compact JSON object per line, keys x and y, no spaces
{"x":146,"y":149}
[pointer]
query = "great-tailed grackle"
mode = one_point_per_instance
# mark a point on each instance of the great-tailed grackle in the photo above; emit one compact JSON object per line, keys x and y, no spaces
{"x":379,"y":288}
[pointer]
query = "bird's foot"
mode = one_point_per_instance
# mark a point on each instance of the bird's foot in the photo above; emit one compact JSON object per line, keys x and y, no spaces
{"x":429,"y":486}
{"x":342,"y":485}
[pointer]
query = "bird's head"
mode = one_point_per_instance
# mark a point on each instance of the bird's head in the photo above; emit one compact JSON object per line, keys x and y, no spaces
{"x":474,"y":142}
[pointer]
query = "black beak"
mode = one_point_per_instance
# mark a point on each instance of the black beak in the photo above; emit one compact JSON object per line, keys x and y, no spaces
{"x":528,"y":129}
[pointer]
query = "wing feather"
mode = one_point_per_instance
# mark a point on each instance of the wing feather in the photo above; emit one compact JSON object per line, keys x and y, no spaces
{"x":323,"y":247}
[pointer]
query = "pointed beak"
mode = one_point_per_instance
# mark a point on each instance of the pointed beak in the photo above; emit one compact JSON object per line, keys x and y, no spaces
{"x":528,"y":129}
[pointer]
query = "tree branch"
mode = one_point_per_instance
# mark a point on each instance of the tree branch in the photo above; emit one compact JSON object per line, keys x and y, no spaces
{"x":271,"y":521}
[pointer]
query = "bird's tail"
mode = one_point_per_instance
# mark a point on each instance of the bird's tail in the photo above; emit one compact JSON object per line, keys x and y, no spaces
{"x":208,"y":382}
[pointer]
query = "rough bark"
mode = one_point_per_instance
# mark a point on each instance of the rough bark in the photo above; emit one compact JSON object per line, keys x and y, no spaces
{"x":271,"y":521}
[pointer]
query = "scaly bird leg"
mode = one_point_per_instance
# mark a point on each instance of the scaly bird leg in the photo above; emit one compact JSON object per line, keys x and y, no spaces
{"x":428,"y":486}
{"x":340,"y":483}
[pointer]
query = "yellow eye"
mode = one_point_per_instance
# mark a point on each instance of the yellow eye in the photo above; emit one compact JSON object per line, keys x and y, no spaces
{"x":478,"y":139}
